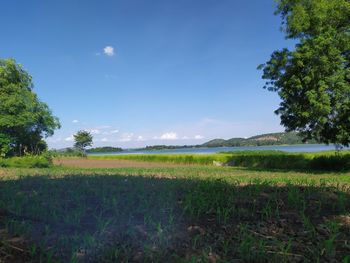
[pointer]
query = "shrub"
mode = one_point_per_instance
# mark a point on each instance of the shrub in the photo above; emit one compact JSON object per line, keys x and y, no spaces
{"x":69,"y":152}
{"x":330,"y":162}
{"x":27,"y":162}
{"x":300,"y":161}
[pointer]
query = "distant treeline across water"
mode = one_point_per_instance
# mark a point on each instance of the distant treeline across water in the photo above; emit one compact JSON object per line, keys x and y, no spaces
{"x":286,"y":148}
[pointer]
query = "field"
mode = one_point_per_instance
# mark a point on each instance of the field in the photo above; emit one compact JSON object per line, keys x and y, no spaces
{"x":270,"y":159}
{"x":166,"y":212}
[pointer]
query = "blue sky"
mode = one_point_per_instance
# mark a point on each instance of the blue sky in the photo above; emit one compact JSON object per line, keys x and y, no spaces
{"x":139,"y":72}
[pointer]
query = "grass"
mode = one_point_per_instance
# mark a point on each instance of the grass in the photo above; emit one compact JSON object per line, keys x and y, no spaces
{"x":180,"y":214}
{"x":199,"y":159}
{"x":326,"y":161}
{"x":26,"y":162}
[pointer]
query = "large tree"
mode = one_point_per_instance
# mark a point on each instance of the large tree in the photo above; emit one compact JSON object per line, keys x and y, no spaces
{"x":313,"y":80}
{"x":82,"y":139}
{"x":24,"y":119}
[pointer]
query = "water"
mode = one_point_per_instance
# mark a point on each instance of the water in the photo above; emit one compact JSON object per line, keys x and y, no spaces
{"x":286,"y":148}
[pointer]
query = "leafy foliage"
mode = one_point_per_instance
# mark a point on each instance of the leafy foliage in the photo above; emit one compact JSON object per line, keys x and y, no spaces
{"x":313,"y":80}
{"x":24,"y":119}
{"x":67,"y":152}
{"x":42,"y":161}
{"x":82,"y":140}
{"x":5,"y":145}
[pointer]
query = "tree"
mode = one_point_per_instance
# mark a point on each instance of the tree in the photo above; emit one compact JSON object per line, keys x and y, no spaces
{"x":82,"y":140}
{"x":5,"y":145}
{"x":24,"y":119}
{"x":313,"y":80}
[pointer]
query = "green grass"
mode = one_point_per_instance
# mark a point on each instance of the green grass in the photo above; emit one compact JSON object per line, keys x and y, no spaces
{"x":326,"y":161}
{"x":180,"y":214}
{"x":199,"y":159}
{"x":26,"y":162}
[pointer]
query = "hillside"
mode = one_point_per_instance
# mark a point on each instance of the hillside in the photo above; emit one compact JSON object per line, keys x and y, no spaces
{"x":264,"y":139}
{"x":279,"y":138}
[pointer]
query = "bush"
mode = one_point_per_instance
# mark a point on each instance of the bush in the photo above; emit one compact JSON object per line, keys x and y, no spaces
{"x":42,"y":161}
{"x":69,"y":152}
{"x":330,"y":162}
{"x":270,"y":161}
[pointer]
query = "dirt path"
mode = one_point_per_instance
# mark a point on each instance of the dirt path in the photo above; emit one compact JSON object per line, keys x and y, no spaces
{"x":89,"y":163}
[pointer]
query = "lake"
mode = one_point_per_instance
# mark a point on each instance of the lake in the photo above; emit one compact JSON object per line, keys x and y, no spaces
{"x":286,"y":148}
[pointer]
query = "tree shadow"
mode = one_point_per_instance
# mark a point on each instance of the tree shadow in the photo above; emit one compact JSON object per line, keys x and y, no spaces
{"x":292,"y":162}
{"x":92,"y":218}
{"x":294,"y":170}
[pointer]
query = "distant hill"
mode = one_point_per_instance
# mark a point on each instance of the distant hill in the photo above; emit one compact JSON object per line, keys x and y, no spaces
{"x":278,"y":138}
{"x":259,"y":140}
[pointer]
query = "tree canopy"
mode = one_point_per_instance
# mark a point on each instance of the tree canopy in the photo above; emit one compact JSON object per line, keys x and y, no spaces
{"x":313,"y":80}
{"x":24,"y":119}
{"x":82,"y":140}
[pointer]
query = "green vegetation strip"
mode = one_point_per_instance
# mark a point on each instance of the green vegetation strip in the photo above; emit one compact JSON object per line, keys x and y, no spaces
{"x":203,"y":159}
{"x":184,"y":214}
{"x":259,"y":159}
{"x":27,"y":162}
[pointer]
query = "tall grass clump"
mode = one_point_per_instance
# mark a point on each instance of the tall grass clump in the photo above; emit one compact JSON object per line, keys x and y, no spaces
{"x":270,"y":159}
{"x":69,"y":152}
{"x":42,"y":161}
{"x":330,"y":162}
{"x":196,"y":159}
{"x":282,"y":160}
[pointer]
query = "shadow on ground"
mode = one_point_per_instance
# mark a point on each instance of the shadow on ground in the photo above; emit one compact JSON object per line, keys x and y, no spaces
{"x":295,"y":162}
{"x":147,"y":219}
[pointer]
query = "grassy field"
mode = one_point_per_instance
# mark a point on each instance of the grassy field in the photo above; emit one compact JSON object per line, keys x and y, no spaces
{"x":270,"y":159}
{"x":173,"y":214}
{"x":27,"y":161}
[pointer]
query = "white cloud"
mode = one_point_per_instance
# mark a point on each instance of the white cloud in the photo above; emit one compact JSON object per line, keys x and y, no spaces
{"x":126,"y":137}
{"x":114,"y":131}
{"x":102,"y":129}
{"x":69,"y":139}
{"x":185,"y":138}
{"x":94,"y":131}
{"x":140,"y":138}
{"x":217,"y":128}
{"x":199,"y":137}
{"x":75,"y":121}
{"x":108,"y":51}
{"x":104,"y":140}
{"x":169,"y":136}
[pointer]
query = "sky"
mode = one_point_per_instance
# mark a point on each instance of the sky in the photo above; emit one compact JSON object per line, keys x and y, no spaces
{"x":147,"y":72}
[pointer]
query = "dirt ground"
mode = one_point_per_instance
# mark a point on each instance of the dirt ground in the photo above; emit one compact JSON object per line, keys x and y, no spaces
{"x":88,"y":163}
